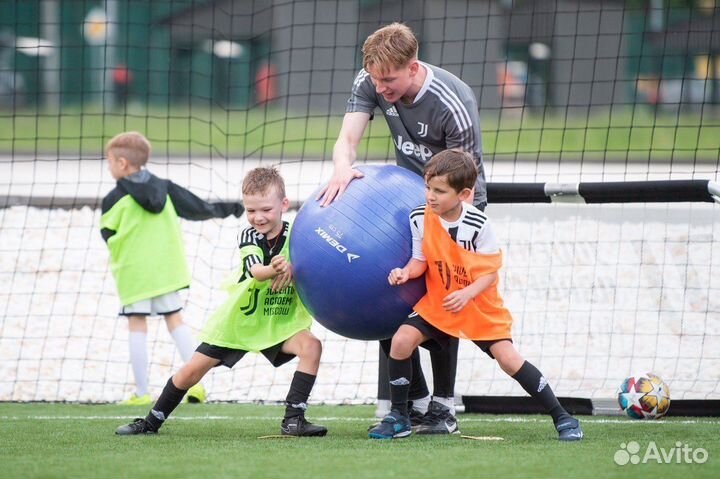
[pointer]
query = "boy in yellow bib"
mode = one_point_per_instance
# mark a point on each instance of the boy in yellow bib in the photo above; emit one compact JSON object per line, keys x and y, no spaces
{"x":262,"y":314}
{"x":140,"y":224}
{"x":455,"y":248}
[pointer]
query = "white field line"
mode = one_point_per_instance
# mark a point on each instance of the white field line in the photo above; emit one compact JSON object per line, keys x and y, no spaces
{"x":709,"y":422}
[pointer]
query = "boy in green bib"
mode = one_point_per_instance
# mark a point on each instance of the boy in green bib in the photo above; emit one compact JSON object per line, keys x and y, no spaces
{"x":140,"y":225}
{"x":262,"y":314}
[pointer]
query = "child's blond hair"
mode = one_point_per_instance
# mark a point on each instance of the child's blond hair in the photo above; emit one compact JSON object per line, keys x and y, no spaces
{"x":457,"y":165}
{"x":390,"y":47}
{"x":132,"y":146}
{"x":260,"y":180}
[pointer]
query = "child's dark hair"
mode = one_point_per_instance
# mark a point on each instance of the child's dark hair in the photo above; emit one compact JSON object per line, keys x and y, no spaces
{"x":259,"y":180}
{"x":458,"y":165}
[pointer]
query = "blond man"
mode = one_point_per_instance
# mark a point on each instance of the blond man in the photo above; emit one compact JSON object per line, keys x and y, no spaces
{"x":427,"y":110}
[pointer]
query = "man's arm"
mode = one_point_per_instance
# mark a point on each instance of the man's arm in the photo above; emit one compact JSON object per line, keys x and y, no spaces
{"x":344,"y":155}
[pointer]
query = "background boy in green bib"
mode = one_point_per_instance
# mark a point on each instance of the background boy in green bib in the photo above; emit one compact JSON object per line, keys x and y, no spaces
{"x":262,"y":314}
{"x":140,"y":225}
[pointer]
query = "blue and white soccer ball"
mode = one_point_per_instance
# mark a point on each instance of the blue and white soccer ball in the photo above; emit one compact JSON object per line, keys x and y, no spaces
{"x":644,"y":396}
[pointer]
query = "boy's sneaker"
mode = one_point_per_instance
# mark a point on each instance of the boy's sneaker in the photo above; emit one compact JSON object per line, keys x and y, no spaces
{"x":569,"y":429}
{"x":298,"y":426}
{"x":416,"y":418}
{"x":438,"y":420}
{"x":196,"y":394}
{"x":138,"y":426}
{"x":135,"y":400}
{"x":394,"y":425}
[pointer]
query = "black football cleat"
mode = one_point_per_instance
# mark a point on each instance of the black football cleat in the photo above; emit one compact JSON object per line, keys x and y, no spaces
{"x":138,"y":426}
{"x":298,"y":426}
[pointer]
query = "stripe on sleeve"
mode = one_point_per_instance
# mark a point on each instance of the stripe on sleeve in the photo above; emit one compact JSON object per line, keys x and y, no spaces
{"x":249,"y":236}
{"x":452,"y":96}
{"x":251,"y":260}
{"x":476,"y":216}
{"x":459,"y":112}
{"x":420,"y":210}
{"x":359,"y":78}
{"x":473,"y":223}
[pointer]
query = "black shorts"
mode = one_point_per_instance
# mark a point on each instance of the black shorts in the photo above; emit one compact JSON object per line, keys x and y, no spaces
{"x":485,"y":345}
{"x":229,"y":357}
{"x":437,"y":340}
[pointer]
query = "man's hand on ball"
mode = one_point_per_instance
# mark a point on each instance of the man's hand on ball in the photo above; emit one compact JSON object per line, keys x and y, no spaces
{"x":338,"y":184}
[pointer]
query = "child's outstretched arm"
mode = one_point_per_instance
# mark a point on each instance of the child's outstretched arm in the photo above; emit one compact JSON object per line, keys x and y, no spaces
{"x":190,"y":207}
{"x":413,"y":269}
{"x":456,"y":301}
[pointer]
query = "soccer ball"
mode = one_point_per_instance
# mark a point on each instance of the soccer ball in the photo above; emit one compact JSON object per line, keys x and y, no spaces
{"x":644,"y":396}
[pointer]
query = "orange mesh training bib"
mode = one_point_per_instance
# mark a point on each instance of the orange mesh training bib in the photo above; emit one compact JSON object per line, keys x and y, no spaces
{"x":451,"y":268}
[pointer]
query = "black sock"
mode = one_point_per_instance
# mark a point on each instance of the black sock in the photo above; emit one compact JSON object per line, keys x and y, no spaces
{"x":300,"y":388}
{"x":400,"y":372}
{"x":444,"y":366}
{"x":536,"y":385}
{"x":166,"y":404}
{"x":383,"y":391}
{"x":418,"y":386}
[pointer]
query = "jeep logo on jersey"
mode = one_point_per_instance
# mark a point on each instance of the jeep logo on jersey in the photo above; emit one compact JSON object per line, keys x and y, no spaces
{"x":334,"y":243}
{"x":410,"y":148}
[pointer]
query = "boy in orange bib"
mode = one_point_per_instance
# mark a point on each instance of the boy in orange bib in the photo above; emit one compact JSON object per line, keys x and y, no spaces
{"x":455,"y":248}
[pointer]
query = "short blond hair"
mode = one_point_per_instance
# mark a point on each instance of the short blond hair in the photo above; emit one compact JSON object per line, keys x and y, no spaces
{"x":392,"y":46}
{"x":132,"y":146}
{"x":260,"y":180}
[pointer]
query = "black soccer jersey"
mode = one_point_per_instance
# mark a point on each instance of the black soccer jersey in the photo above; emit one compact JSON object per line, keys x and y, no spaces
{"x":250,"y":237}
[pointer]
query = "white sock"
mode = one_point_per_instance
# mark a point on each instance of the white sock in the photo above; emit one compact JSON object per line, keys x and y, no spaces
{"x":182,"y":335}
{"x":383,"y":408}
{"x":447,"y":402}
{"x":139,"y":361}
{"x":421,"y":405}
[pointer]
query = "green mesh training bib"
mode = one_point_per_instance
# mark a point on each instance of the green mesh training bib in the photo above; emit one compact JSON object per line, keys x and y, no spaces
{"x":254,"y":318}
{"x":147,"y":256}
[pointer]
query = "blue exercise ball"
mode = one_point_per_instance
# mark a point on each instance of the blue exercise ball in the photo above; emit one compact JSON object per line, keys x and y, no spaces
{"x":342,"y":254}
